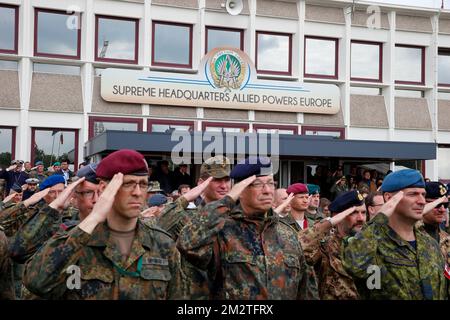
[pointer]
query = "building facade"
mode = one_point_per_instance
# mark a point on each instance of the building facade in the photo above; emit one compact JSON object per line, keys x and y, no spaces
{"x":390,"y":63}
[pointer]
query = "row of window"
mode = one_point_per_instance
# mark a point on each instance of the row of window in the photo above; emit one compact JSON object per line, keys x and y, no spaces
{"x":117,"y":40}
{"x":51,"y":145}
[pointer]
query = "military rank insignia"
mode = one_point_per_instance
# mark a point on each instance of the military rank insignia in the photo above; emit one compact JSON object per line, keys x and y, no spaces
{"x":360,"y":197}
{"x":442,"y":190}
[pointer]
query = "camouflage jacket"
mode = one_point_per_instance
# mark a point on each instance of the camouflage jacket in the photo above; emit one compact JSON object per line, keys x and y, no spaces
{"x":6,"y":283}
{"x":42,"y":223}
{"x":152,"y":271}
{"x":314,"y":217}
{"x":174,"y":217}
{"x":247,"y":257}
{"x":289,"y":219}
{"x":14,"y":216}
{"x":439,"y":235}
{"x":334,"y":281}
{"x":405,"y":273}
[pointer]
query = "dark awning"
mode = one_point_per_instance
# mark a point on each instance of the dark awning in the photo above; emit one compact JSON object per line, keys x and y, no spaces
{"x":293,"y":146}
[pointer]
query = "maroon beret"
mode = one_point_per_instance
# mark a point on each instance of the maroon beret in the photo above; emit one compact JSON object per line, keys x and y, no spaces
{"x":297,"y":188}
{"x":125,"y":161}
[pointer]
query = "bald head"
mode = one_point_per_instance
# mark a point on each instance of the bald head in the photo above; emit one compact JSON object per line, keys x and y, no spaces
{"x":279,"y":196}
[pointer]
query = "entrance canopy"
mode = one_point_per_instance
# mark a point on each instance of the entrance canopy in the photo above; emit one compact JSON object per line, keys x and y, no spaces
{"x":287,"y":146}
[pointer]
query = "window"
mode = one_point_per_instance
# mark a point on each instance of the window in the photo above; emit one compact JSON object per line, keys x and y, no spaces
{"x":443,"y":95}
{"x":321,"y":57}
{"x":368,"y":91}
{"x":366,"y":61}
{"x":56,"y":68}
{"x":9,"y":27}
{"x":224,"y":127}
{"x":167,"y":126}
{"x":409,"y":93}
{"x":323,"y":131}
{"x":7,"y":145}
{"x":172,"y":45}
{"x":273,"y":53}
{"x":50,"y":145}
{"x":116,"y":39}
{"x":9,"y":65}
{"x":224,"y":37}
{"x":409,"y":64}
{"x":444,"y":67}
{"x":55,"y":35}
{"x":270,"y":129}
{"x":98,"y":125}
{"x":443,"y":156}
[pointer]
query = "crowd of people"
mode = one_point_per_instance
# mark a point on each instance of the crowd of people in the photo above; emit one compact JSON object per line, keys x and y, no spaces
{"x":119,"y":229}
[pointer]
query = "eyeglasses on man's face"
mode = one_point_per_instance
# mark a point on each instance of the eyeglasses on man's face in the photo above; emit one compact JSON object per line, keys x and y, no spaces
{"x":131,"y":185}
{"x":88,"y":194}
{"x":259,"y":185}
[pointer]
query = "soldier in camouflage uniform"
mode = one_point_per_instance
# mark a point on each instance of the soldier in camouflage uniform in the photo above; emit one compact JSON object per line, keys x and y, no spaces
{"x":334,"y":282}
{"x":118,"y":256}
{"x":39,"y":172}
{"x":433,"y":219}
{"x":296,"y":217}
{"x":6,"y":280}
{"x":248,"y":252}
{"x":40,"y":224}
{"x":409,"y":261}
{"x":176,"y":215}
{"x":312,"y":212}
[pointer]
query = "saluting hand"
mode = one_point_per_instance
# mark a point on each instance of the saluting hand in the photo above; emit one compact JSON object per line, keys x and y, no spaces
{"x":240,"y":186}
{"x":388,"y":207}
{"x":341,"y":216}
{"x":194,"y":193}
{"x":36,"y":197}
{"x":103,"y":205}
{"x":430,"y":206}
{"x":284,"y":204}
{"x":9,"y":197}
{"x":63,"y":200}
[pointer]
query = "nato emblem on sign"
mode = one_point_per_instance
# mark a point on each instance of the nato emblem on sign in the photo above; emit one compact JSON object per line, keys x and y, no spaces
{"x":228,"y":70}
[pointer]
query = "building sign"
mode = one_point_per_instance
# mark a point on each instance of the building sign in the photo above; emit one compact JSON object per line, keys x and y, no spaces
{"x":226,"y":79}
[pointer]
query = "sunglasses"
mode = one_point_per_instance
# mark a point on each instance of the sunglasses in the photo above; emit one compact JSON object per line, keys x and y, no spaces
{"x":444,"y":204}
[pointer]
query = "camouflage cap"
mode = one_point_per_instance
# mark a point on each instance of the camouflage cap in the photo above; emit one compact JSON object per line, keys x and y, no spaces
{"x":216,"y":167}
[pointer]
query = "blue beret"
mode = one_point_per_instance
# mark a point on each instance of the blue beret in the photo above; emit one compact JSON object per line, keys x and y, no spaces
{"x":88,"y":172}
{"x":407,"y":178}
{"x":259,"y":166}
{"x":51,"y":181}
{"x":297,"y":188}
{"x":313,"y":188}
{"x":38,"y":163}
{"x":346,"y":200}
{"x":435,"y":190}
{"x":157,"y":200}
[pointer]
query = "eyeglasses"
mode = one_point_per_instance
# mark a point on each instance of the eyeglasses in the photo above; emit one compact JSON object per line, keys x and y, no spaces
{"x":131,"y":185}
{"x":260,"y":185}
{"x":89,"y":194}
